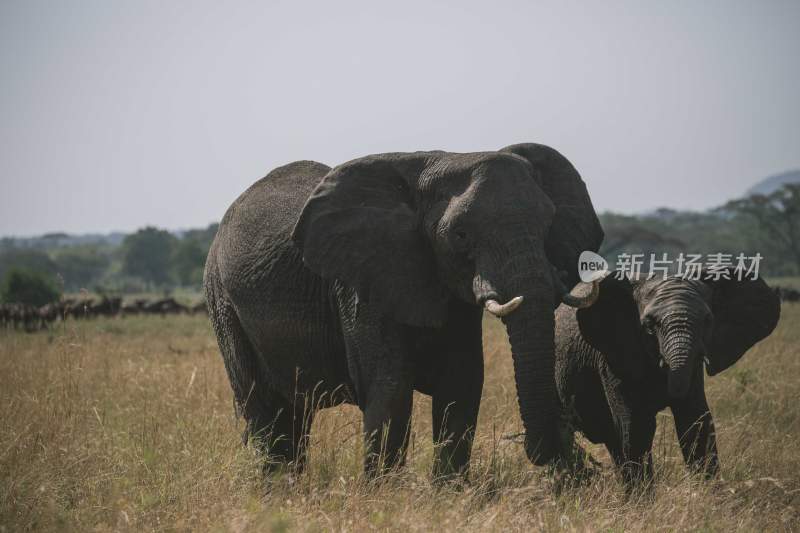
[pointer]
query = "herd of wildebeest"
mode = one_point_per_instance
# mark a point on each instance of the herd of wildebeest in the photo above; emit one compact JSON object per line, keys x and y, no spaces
{"x":31,"y":318}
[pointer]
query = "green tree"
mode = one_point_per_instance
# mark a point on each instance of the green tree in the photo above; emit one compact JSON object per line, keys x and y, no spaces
{"x":146,"y":254}
{"x":26,"y":259}
{"x":777,"y":217}
{"x":188,"y":261}
{"x":81,"y":267}
{"x":203,"y":236}
{"x":28,"y":287}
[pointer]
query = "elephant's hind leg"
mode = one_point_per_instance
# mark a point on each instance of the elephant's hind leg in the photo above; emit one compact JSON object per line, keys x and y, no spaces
{"x":278,"y":427}
{"x":283,"y":432}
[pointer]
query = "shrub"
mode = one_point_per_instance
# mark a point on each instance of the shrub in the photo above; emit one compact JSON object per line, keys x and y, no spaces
{"x":28,"y":287}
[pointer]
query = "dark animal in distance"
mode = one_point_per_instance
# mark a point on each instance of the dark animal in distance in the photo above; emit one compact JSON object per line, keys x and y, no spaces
{"x":788,"y":294}
{"x":135,"y":307}
{"x":19,"y":316}
{"x":165,"y":306}
{"x":30,"y":318}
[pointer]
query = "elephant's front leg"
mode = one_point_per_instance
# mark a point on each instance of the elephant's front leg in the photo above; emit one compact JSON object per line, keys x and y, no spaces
{"x":387,"y":417}
{"x":634,"y":430}
{"x":455,"y":416}
{"x":457,"y":393}
{"x":379,"y":365}
{"x":695,"y":428}
{"x":635,"y":458}
{"x":573,"y":458}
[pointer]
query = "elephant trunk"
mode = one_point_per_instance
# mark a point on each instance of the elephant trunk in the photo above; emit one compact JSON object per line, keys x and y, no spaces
{"x":680,"y":351}
{"x":530,"y":333}
{"x":519,"y":275}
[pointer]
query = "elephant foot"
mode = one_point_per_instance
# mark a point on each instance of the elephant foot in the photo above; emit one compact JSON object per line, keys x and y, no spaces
{"x":574,"y":463}
{"x":577,"y":469}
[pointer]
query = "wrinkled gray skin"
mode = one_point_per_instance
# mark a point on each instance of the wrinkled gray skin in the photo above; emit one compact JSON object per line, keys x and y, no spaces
{"x":641,"y":348}
{"x":365,"y":282}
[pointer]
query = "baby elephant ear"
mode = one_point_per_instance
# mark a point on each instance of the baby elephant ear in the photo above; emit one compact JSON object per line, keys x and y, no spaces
{"x":612,"y":326}
{"x":360,"y":226}
{"x":745,"y":312}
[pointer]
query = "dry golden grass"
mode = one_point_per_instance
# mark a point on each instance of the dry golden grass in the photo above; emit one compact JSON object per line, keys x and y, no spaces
{"x":128,"y":424}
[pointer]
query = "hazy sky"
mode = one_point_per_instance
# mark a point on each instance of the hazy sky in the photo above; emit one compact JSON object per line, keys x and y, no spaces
{"x":118,"y":114}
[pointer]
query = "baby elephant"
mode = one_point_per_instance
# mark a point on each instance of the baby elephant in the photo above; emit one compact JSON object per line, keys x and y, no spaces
{"x":642,"y":347}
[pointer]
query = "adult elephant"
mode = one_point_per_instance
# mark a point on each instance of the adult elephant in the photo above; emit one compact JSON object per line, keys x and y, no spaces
{"x":365,"y":282}
{"x":642,"y":348}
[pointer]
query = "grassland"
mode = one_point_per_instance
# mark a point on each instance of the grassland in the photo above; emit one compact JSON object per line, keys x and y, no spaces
{"x":128,"y":425}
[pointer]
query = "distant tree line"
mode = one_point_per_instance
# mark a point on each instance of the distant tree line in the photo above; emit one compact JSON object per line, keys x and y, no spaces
{"x":149,"y":259}
{"x":155,"y":259}
{"x":764,"y":224}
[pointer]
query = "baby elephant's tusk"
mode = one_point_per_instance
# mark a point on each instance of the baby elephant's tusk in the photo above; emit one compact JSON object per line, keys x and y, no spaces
{"x":505,"y":309}
{"x":582,"y":302}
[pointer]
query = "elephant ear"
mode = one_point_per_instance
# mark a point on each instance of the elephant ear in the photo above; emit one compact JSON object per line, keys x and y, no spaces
{"x":575,"y":226}
{"x":745,"y":311}
{"x":360,"y":226}
{"x":612,"y":326}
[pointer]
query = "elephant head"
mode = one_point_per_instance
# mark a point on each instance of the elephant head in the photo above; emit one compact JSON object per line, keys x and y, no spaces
{"x":503,"y":230}
{"x":679,"y":324}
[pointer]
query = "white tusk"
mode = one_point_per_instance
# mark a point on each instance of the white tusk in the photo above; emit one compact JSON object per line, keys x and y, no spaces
{"x":582,"y":302}
{"x":505,"y":309}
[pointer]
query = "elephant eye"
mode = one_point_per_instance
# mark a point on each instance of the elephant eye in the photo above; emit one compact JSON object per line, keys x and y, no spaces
{"x":648,"y":325}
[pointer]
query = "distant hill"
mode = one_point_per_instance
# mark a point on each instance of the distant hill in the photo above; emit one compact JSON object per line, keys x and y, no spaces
{"x":773,"y":183}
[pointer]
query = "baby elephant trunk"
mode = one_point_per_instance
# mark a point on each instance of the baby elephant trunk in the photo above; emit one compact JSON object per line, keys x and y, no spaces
{"x":682,"y":349}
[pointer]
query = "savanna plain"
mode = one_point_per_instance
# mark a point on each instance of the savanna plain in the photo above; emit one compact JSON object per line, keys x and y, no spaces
{"x":128,"y":424}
